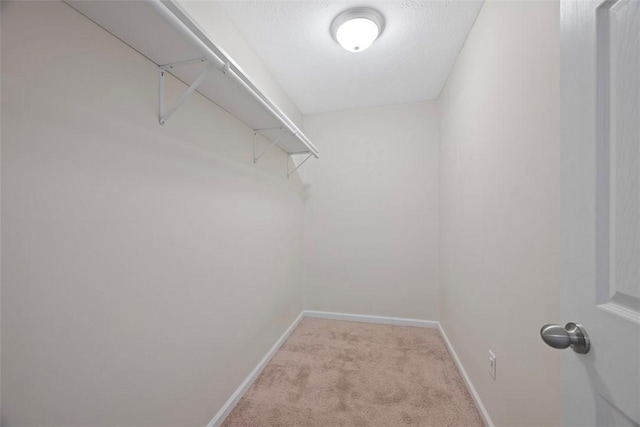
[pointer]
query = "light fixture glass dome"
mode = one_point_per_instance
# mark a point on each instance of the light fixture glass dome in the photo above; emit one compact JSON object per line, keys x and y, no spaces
{"x":356,"y":29}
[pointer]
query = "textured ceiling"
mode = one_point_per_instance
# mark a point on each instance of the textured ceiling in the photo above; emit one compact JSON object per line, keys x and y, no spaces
{"x":409,"y":62}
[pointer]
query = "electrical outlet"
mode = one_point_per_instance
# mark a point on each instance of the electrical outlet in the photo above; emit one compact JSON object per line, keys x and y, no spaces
{"x":492,"y":364}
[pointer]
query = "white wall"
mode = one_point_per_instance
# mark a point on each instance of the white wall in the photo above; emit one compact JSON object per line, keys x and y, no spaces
{"x":146,"y":269}
{"x":371,"y":217}
{"x":499,"y":186}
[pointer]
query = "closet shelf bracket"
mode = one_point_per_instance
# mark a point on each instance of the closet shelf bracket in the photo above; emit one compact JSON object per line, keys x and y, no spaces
{"x":162,"y":70}
{"x":273,"y":143}
{"x":289,"y":173}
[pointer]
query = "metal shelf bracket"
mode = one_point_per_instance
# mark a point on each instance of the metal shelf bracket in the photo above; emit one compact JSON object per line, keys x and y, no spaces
{"x":273,"y":143}
{"x":289,"y":173}
{"x":162,"y":70}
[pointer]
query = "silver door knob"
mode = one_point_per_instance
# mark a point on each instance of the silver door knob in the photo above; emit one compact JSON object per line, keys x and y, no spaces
{"x":572,"y":335}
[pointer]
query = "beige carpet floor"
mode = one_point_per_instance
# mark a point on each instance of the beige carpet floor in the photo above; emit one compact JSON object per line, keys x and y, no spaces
{"x":334,"y":373}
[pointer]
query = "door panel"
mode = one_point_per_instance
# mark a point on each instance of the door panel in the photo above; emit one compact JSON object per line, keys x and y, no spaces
{"x":618,"y":44}
{"x":601,"y":208}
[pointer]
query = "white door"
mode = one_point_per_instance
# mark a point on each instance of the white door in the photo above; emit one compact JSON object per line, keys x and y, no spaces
{"x":601,"y":208}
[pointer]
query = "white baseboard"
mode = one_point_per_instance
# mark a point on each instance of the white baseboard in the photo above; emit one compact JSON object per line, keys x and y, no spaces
{"x":399,"y":321}
{"x":472,"y":390}
{"x":246,"y":384}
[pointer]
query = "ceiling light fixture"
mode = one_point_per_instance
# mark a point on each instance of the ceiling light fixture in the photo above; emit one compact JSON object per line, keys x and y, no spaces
{"x":356,"y":29}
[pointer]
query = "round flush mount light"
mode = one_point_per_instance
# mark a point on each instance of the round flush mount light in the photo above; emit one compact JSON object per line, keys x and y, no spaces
{"x":356,"y":29}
